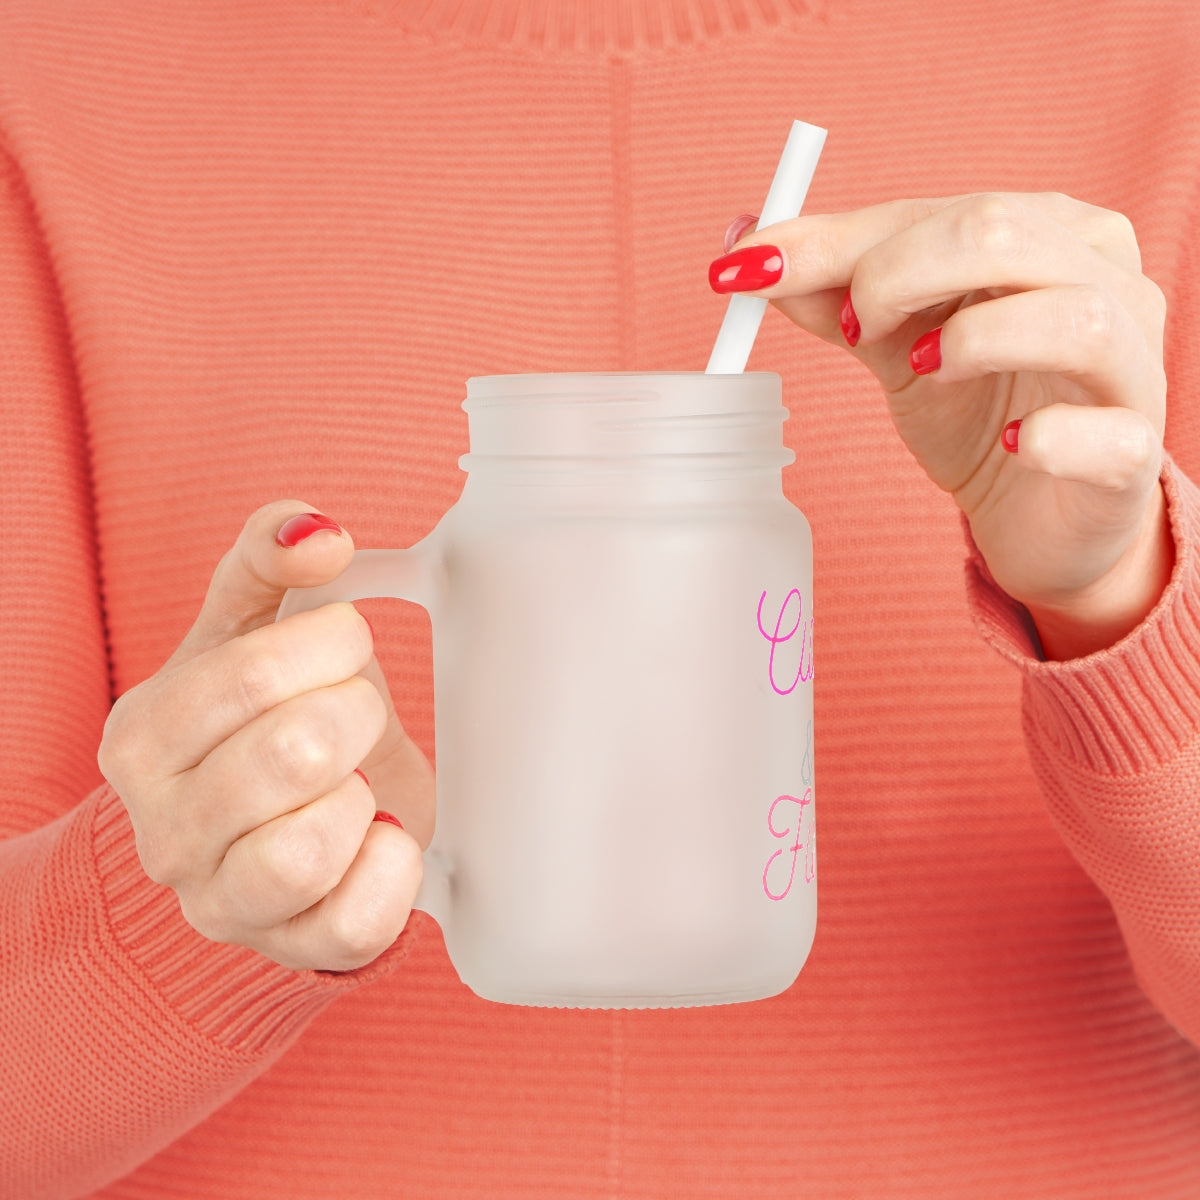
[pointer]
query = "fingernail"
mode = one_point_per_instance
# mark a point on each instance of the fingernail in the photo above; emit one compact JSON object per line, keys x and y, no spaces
{"x":851,"y":330}
{"x":926,"y":353}
{"x":380,"y":815}
{"x":737,"y":227}
{"x":1009,"y":436}
{"x":362,"y":777}
{"x":295,"y":529}
{"x":746,"y":270}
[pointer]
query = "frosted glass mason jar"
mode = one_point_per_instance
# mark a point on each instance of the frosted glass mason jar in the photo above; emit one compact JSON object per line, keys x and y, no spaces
{"x":621,"y":603}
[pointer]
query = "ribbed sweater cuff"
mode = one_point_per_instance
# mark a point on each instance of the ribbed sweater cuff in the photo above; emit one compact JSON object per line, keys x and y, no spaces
{"x":1126,"y":709}
{"x":233,"y":996}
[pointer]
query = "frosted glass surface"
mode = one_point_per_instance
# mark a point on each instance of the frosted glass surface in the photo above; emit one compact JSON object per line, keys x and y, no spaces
{"x":621,"y":603}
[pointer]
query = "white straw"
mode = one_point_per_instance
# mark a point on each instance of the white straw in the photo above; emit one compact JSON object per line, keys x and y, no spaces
{"x":788,"y":189}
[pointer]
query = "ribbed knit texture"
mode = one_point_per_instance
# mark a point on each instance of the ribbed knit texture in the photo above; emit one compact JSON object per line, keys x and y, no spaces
{"x":252,"y":251}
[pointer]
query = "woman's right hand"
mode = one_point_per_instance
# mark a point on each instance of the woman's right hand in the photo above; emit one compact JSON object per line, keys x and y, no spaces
{"x":237,"y":762}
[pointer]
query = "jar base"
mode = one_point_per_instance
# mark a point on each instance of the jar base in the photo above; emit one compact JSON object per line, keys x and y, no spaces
{"x":762,"y":991}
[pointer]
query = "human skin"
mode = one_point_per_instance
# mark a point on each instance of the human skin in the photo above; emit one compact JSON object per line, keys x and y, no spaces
{"x":237,"y":763}
{"x":237,"y":760}
{"x":1045,"y":317}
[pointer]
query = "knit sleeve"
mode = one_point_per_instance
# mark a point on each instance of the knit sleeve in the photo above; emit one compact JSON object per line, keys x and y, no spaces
{"x":120,"y":1027}
{"x":1114,"y":739}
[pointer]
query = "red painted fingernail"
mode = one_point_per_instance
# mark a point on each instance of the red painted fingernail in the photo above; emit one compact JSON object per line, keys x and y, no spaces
{"x":851,"y":330}
{"x":737,"y":227}
{"x":380,"y":815}
{"x":926,"y":353}
{"x":1009,"y":436}
{"x":362,"y":777}
{"x":746,"y":270}
{"x":295,"y":529}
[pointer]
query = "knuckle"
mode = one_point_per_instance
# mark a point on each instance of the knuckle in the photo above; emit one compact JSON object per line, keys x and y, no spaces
{"x":211,"y":919}
{"x":1117,"y":229}
{"x":1125,"y":450}
{"x":120,"y":752}
{"x":361,"y":933}
{"x":297,"y":859}
{"x":258,"y":679}
{"x":1112,"y":234}
{"x":818,"y":254}
{"x":163,"y":849}
{"x":1140,"y":445}
{"x":994,"y":226}
{"x":160,"y":857}
{"x":1090,"y":318}
{"x":878,"y":286}
{"x":1117,"y":476}
{"x":112,"y":753}
{"x":917,"y":208}
{"x":299,"y":751}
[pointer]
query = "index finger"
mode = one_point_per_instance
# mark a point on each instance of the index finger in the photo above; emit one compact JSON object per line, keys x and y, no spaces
{"x":190,"y":709}
{"x":821,"y":250}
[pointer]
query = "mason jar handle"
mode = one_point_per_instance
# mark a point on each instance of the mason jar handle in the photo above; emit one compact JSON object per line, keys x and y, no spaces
{"x":400,"y":575}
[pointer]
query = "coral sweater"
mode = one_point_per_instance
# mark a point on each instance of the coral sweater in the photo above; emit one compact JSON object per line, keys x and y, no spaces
{"x":252,"y":251}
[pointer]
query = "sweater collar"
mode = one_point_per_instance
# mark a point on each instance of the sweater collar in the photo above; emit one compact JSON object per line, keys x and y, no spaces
{"x":616,"y":26}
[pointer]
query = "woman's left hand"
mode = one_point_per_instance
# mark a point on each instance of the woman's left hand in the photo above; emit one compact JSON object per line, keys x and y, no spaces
{"x":977,"y":312}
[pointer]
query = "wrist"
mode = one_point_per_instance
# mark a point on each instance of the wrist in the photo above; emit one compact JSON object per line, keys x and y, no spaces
{"x":1114,"y":605}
